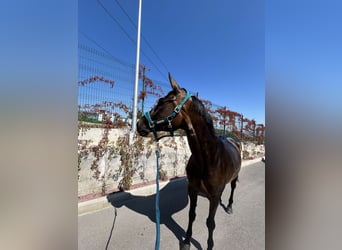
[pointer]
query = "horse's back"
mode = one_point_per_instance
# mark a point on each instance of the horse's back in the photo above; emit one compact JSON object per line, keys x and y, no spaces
{"x":233,"y":148}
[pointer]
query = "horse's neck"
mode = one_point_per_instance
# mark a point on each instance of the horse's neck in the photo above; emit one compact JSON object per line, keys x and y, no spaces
{"x":201,"y":136}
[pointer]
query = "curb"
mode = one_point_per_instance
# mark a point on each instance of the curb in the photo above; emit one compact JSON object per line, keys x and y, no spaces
{"x":249,"y":162}
{"x":94,"y":205}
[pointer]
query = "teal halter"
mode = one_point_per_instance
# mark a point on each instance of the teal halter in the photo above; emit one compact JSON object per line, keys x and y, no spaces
{"x":168,"y":119}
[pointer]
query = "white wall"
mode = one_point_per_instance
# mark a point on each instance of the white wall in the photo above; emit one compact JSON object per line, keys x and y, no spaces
{"x":172,"y":160}
{"x":174,"y":156}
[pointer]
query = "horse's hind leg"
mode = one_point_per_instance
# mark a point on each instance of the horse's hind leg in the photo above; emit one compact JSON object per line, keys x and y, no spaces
{"x":229,"y":208}
{"x":192,"y":215}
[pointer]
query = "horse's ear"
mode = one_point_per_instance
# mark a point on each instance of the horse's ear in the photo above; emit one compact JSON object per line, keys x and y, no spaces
{"x":174,"y":84}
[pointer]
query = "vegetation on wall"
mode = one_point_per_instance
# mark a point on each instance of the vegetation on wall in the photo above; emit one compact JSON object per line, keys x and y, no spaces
{"x":129,"y":157}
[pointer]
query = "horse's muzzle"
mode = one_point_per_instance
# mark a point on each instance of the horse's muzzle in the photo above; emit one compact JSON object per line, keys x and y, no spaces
{"x":142,"y":127}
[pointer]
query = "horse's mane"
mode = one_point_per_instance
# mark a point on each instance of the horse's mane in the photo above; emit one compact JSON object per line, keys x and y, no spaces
{"x":199,"y":107}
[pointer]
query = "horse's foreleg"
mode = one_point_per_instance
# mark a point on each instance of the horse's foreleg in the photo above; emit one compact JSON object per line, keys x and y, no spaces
{"x":229,"y":208}
{"x":192,"y":214}
{"x":211,"y":221}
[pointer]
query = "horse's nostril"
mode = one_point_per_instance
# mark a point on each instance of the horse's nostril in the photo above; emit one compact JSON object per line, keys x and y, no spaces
{"x":143,"y":132}
{"x":142,"y":129}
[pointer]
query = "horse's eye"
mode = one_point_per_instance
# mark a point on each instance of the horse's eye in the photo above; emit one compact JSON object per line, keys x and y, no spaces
{"x":171,"y":99}
{"x":168,"y":99}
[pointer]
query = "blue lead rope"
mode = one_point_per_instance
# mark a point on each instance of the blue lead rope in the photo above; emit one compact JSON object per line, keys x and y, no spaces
{"x":151,"y":124}
{"x":157,"y":203}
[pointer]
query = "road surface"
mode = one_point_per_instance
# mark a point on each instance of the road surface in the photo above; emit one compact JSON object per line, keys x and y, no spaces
{"x":134,"y":225}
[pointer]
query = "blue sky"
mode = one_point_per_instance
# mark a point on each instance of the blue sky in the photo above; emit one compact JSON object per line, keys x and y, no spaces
{"x":215,"y":48}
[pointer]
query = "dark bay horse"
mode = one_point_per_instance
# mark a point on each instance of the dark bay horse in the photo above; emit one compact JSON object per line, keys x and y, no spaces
{"x":215,"y":161}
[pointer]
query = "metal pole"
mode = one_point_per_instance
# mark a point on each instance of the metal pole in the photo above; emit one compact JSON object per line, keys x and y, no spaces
{"x":224,"y":120}
{"x":241,"y":128}
{"x":135,"y":98}
{"x":144,"y":88}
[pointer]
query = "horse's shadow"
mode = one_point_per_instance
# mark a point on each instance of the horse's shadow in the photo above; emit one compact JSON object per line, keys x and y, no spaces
{"x":172,"y":199}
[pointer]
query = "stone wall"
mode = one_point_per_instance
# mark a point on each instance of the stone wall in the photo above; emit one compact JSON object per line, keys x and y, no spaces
{"x":174,"y":155}
{"x":251,"y":150}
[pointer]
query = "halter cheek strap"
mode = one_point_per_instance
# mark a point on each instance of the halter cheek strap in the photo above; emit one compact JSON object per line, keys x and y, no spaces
{"x":168,"y":119}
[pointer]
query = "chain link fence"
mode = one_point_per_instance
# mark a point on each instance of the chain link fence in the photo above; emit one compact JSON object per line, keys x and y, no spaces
{"x":105,"y":96}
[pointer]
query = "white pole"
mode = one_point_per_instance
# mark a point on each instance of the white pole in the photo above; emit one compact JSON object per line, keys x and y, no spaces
{"x":137,"y":62}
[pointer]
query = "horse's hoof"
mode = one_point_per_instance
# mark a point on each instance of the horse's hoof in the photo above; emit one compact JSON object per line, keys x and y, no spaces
{"x":184,"y":246}
{"x":229,"y":210}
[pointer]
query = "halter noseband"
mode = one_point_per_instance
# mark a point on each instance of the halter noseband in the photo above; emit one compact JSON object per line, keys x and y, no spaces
{"x":168,"y":119}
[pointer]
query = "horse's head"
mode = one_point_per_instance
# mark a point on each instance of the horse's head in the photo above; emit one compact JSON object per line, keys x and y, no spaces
{"x":167,"y":114}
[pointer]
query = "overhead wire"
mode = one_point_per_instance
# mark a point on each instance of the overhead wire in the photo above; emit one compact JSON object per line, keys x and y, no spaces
{"x":96,"y":43}
{"x":142,"y":35}
{"x":130,"y":38}
{"x":116,"y":21}
{"x":124,"y":63}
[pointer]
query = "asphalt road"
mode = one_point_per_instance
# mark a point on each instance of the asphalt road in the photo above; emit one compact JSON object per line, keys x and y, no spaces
{"x":134,"y":225}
